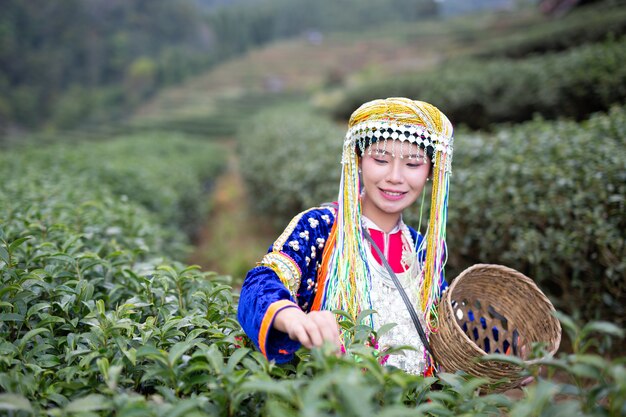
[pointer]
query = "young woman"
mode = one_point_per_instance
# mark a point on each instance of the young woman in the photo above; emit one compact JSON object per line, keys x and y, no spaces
{"x":324,"y":260}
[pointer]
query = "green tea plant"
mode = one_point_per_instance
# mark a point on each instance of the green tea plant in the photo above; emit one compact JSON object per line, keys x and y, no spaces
{"x":93,"y":313}
{"x":169,"y":174}
{"x":584,"y":382}
{"x":95,"y":317}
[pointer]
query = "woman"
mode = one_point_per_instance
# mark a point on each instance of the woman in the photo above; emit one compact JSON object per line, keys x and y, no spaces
{"x":324,"y":260}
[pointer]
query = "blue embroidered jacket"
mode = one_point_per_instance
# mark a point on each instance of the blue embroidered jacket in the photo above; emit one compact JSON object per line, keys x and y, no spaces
{"x":287,"y":277}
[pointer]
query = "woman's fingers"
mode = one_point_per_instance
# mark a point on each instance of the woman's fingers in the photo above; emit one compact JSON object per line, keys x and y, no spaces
{"x":322,"y":327}
{"x":314,"y":331}
{"x":328,"y":327}
{"x":300,"y":334}
{"x":311,"y":330}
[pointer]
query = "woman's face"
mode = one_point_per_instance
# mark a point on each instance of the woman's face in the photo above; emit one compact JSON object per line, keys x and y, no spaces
{"x":391,"y":184}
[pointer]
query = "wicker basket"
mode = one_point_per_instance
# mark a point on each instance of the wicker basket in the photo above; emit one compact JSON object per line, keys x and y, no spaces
{"x":492,"y":309}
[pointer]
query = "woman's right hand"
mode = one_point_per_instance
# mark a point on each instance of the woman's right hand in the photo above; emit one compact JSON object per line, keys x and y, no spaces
{"x":311,"y":330}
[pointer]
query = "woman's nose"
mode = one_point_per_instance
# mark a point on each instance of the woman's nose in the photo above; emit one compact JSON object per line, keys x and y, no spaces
{"x":395,"y":175}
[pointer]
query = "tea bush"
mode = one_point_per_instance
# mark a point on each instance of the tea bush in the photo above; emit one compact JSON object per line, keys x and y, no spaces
{"x":91,"y":307}
{"x":547,"y":199}
{"x":585,"y":26}
{"x":290,"y":160}
{"x":90,"y":298}
{"x":167,"y":174}
{"x":478,"y":93}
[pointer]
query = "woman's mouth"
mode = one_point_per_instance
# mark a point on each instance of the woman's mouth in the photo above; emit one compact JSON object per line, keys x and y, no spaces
{"x":392,"y":195}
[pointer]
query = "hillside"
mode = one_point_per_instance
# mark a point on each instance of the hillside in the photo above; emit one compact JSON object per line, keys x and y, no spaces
{"x":314,"y":65}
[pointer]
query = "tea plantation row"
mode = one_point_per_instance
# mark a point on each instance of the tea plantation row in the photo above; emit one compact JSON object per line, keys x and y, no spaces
{"x":588,"y":25}
{"x":546,"y":198}
{"x":79,"y":222}
{"x":478,"y":92}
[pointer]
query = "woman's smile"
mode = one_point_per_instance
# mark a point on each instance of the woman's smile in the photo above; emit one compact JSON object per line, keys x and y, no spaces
{"x":393,"y":195}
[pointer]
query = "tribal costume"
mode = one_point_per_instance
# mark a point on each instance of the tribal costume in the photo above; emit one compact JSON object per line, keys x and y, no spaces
{"x":287,"y":276}
{"x":322,"y":261}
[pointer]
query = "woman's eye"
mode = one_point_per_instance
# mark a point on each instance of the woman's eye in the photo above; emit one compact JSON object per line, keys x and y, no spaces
{"x":413,"y":164}
{"x":380,"y":161}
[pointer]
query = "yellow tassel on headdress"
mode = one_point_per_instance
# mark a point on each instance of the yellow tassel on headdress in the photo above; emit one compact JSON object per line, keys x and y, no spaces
{"x":403,"y":111}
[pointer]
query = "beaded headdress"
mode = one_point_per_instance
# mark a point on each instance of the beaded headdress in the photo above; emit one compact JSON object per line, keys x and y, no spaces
{"x":391,"y":123}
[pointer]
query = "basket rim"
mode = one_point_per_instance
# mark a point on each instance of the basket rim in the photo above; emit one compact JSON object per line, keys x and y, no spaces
{"x":518,"y":275}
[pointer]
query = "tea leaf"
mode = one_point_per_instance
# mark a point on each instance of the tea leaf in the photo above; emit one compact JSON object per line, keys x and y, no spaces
{"x":114,"y":374}
{"x":184,"y":407}
{"x":15,"y":402}
{"x":29,"y":335}
{"x":499,"y":357}
{"x":277,"y":388}
{"x":92,"y":402}
{"x":178,"y":350}
{"x":235,"y":358}
{"x":150,"y":352}
{"x":216,"y":359}
{"x":363,"y":314}
{"x":382,"y":330}
{"x":17,"y":243}
{"x":11,"y":317}
{"x":603,"y":327}
{"x":4,"y":255}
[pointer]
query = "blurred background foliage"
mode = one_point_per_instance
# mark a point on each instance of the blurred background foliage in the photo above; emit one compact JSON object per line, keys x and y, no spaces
{"x":71,"y":62}
{"x":64,"y":62}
